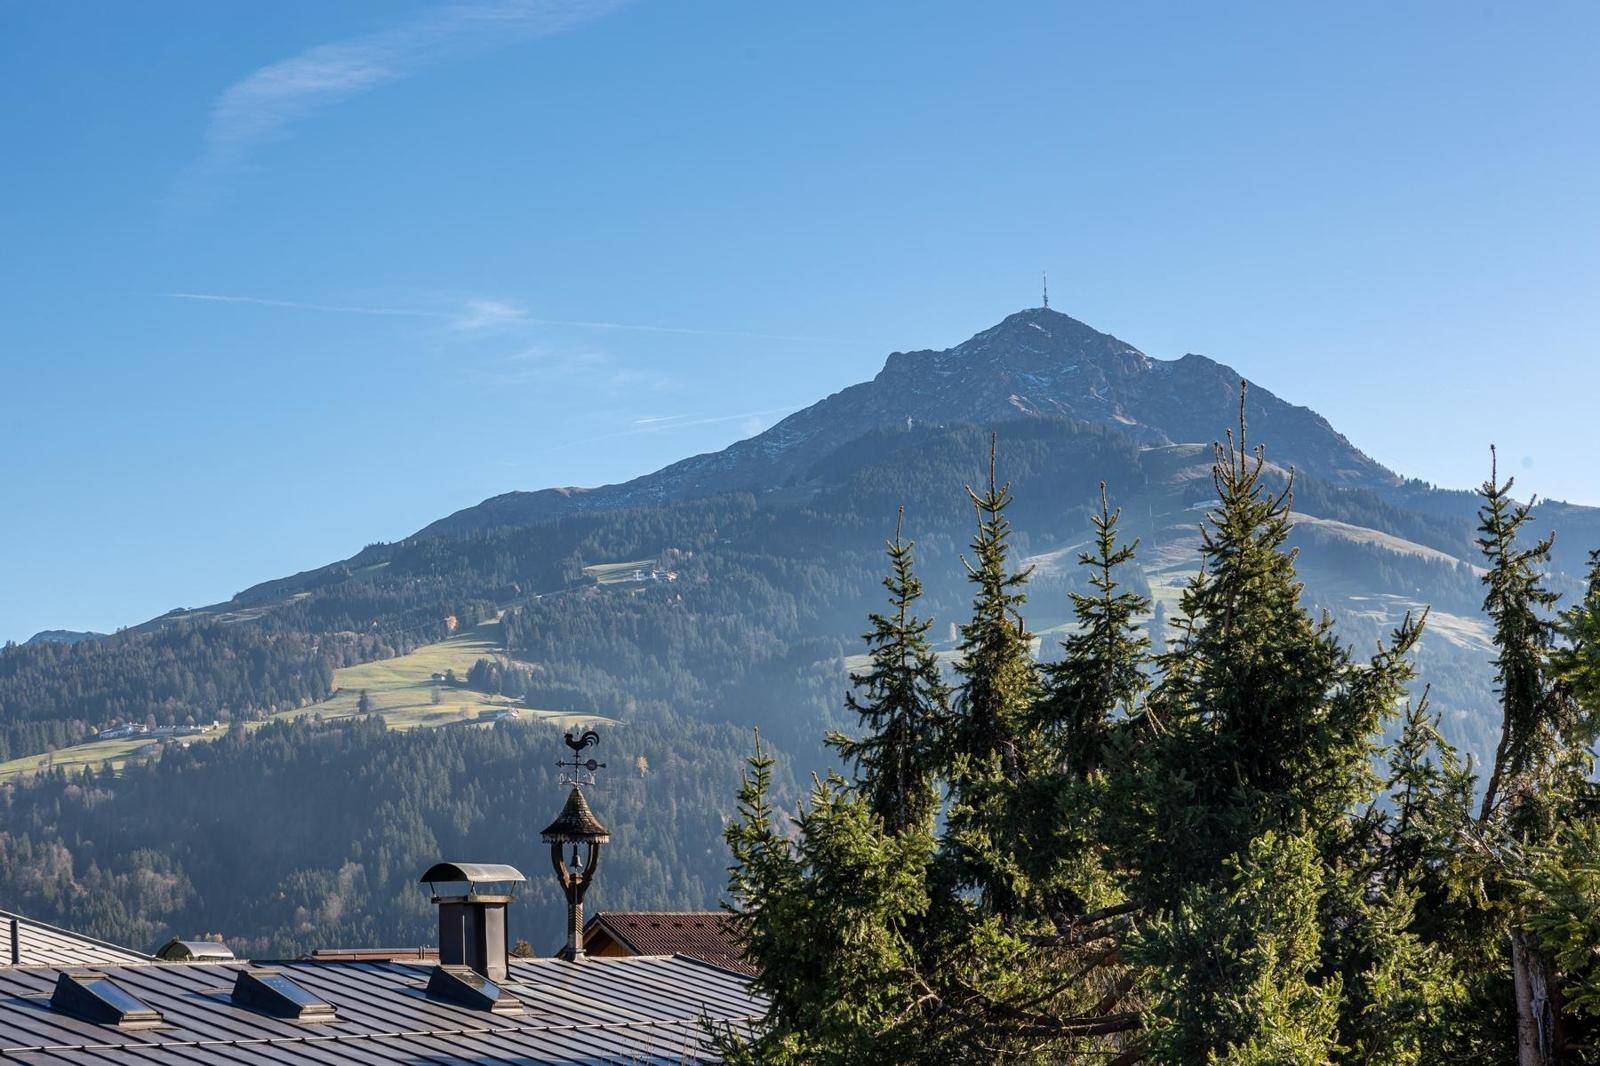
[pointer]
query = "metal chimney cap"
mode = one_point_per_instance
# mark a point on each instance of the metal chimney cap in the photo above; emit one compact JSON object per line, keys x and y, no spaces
{"x":475,"y":873}
{"x":179,"y":950}
{"x":576,"y":824}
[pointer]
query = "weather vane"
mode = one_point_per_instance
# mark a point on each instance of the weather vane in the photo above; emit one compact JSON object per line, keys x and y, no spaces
{"x":580,"y":771}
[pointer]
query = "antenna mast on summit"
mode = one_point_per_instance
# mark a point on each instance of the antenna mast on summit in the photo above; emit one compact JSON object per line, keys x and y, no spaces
{"x":1045,"y":280}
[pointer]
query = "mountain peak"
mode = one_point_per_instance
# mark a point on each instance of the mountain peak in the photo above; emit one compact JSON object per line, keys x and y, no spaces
{"x":1032,"y":341}
{"x":1034,"y":363}
{"x":1043,"y":318}
{"x":1046,"y":321}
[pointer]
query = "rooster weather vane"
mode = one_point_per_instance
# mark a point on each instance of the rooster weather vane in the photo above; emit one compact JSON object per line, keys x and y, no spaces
{"x":580,"y":771}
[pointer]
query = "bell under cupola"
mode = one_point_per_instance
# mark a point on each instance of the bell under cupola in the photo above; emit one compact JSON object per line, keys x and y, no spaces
{"x":576,"y":838}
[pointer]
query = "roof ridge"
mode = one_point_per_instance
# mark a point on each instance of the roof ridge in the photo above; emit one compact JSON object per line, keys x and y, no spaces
{"x":713,"y":965}
{"x":73,"y":933}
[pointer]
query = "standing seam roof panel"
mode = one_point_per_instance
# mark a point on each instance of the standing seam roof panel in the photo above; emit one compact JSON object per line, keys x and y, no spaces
{"x":636,"y":1010}
{"x":384,"y":1003}
{"x":665,"y":992}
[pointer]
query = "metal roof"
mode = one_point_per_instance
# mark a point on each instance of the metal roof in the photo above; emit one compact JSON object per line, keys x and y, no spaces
{"x":39,"y":944}
{"x":373,"y":954}
{"x":644,"y":1009}
{"x":179,"y":950}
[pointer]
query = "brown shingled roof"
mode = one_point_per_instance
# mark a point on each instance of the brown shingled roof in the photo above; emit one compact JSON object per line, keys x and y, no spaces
{"x":704,"y":935}
{"x":576,"y":823}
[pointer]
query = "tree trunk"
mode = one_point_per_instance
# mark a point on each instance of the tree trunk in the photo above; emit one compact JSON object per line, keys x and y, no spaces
{"x":1536,"y":1036}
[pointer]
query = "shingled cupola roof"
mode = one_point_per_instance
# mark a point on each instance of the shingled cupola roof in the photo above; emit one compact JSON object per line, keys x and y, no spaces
{"x":576,"y":824}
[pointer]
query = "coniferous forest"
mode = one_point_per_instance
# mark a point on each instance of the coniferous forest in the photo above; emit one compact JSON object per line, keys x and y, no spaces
{"x":1232,"y":818}
{"x":308,"y":835}
{"x":1248,"y":843}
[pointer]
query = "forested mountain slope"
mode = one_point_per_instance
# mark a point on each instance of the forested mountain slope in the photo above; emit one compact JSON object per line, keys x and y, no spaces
{"x":751,"y":573}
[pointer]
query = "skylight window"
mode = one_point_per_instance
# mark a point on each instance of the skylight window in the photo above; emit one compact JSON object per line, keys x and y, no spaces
{"x":468,"y":988}
{"x":276,"y":993}
{"x":94,"y":997}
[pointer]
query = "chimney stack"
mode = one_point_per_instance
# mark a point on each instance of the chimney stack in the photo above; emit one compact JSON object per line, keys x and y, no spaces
{"x":472,"y":899}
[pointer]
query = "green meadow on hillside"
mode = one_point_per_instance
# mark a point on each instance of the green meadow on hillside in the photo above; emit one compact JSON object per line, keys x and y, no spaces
{"x":616,"y":573}
{"x":402,"y":690}
{"x":399,"y":690}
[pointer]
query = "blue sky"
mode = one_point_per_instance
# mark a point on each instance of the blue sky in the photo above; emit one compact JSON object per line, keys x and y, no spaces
{"x":498,"y":245}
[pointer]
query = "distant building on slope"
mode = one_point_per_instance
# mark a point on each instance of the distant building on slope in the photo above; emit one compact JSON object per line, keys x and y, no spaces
{"x":499,"y":714}
{"x":160,"y":732}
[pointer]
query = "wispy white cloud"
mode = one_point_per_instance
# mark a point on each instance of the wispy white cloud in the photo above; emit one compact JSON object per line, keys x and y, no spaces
{"x":483,"y":314}
{"x":480,"y":313}
{"x":591,"y":369}
{"x":263,"y":105}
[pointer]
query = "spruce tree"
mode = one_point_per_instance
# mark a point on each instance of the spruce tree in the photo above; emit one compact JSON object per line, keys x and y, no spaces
{"x":1518,"y":605}
{"x":1239,"y":982}
{"x":1429,"y":791}
{"x":1025,"y":972}
{"x":1260,"y":720}
{"x":1497,"y":892}
{"x":1539,"y":780}
{"x":1259,"y":736}
{"x":1088,"y":694}
{"x":823,"y":918}
{"x":987,"y":747}
{"x":1101,"y":671}
{"x":998,"y":680}
{"x":903,"y":703}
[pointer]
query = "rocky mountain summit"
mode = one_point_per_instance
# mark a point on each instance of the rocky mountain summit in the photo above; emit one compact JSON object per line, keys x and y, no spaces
{"x":1035,"y":363}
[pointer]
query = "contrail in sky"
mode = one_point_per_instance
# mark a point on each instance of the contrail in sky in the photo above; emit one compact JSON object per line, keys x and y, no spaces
{"x":296,"y":305}
{"x":481,"y":313}
{"x":666,"y":423}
